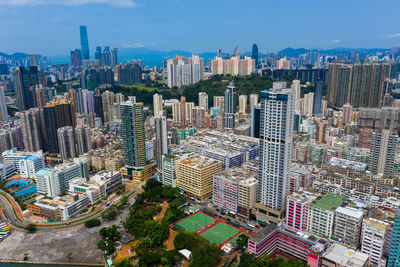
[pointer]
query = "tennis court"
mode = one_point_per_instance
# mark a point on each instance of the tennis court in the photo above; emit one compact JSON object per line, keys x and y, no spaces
{"x":220,"y":233}
{"x":195,"y":222}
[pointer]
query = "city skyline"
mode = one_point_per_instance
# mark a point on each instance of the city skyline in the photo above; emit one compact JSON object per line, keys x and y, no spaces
{"x":194,"y":30}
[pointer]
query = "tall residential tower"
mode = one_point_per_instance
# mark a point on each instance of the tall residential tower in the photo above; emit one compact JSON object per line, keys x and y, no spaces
{"x":276,"y":130}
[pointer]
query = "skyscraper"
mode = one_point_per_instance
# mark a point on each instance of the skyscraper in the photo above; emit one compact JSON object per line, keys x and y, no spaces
{"x":318,"y":98}
{"x":76,"y":58}
{"x":253,"y":100}
{"x":33,"y":129}
{"x":132,"y":132}
{"x":383,"y":152}
{"x":83,"y":139}
{"x":276,"y":131}
{"x":3,"y":105}
{"x":57,"y":114}
{"x":106,"y":56}
{"x":255,"y":122}
{"x":183,"y":111}
{"x":394,"y":253}
{"x":242,"y":104}
{"x":236,"y":51}
{"x":84,"y":43}
{"x":25,"y":81}
{"x":158,"y":105}
{"x":308,"y":104}
{"x":33,"y":60}
{"x":129,"y":73}
{"x":203,"y":100}
{"x":161,"y":140}
{"x":114,"y":56}
{"x":184,"y":71}
{"x":230,"y":106}
{"x":254,"y":54}
{"x":297,"y":91}
{"x":361,"y":85}
{"x":98,"y":55}
{"x":66,"y":142}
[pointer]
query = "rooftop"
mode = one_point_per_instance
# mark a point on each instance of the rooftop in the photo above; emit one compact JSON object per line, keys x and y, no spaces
{"x":199,"y":162}
{"x":262,"y":233}
{"x":304,"y":197}
{"x":377,"y":223}
{"x":344,"y":256}
{"x":236,"y":174}
{"x":328,"y":202}
{"x":352,"y":212}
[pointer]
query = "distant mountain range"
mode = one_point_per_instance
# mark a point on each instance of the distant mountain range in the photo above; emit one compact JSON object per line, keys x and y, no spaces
{"x":17,"y":55}
{"x":152,"y":57}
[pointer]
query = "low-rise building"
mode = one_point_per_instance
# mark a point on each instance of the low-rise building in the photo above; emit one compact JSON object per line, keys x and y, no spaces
{"x":297,"y":244}
{"x":60,"y":208}
{"x":31,"y":161}
{"x":7,"y":169}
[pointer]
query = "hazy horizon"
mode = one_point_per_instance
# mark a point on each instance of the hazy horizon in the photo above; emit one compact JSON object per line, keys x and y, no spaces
{"x":51,"y":27}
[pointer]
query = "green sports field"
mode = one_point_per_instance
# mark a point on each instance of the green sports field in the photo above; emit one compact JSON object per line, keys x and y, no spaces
{"x":219,"y":233}
{"x":195,"y":222}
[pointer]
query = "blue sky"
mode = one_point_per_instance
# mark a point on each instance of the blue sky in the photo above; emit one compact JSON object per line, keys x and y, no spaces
{"x":51,"y":27}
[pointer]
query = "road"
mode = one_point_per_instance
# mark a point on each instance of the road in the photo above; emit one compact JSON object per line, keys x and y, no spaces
{"x":8,"y":210}
{"x":19,"y":222}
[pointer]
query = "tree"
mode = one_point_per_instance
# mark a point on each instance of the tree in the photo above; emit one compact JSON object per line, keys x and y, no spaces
{"x":101,"y":245}
{"x":120,"y":190}
{"x":92,"y":223}
{"x":31,"y":228}
{"x":123,"y":263}
{"x":111,"y":233}
{"x":242,"y":241}
{"x":110,"y":246}
{"x":111,"y":214}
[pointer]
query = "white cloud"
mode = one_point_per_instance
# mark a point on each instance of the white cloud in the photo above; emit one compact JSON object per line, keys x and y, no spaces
{"x":117,"y":3}
{"x":335,"y":41}
{"x":393,"y":35}
{"x":133,"y":45}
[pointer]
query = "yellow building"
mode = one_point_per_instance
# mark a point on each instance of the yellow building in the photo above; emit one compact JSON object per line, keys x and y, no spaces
{"x":195,"y":175}
{"x":139,"y":173}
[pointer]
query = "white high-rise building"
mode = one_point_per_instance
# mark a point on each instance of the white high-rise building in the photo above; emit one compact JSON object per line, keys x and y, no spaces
{"x":373,"y":240}
{"x":3,"y":105}
{"x":203,"y":100}
{"x":242,"y":104}
{"x":276,"y":131}
{"x":189,"y":106}
{"x":158,"y":105}
{"x":176,"y":110}
{"x":66,"y":142}
{"x":161,"y":139}
{"x":308,"y":104}
{"x":219,"y":103}
{"x":230,"y":106}
{"x":297,"y":91}
{"x":182,"y":72}
{"x":253,"y":100}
